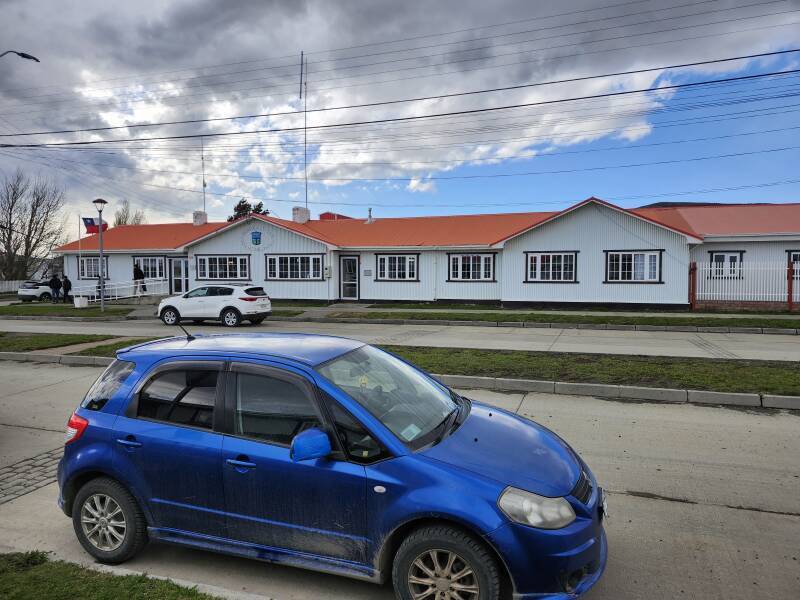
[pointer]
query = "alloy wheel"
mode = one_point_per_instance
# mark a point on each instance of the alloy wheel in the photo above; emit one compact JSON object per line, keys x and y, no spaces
{"x":442,"y":575}
{"x":169,"y":317}
{"x":103,"y":522}
{"x":230,"y":318}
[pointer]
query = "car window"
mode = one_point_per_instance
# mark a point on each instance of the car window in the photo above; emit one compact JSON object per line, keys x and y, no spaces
{"x":272,"y":409}
{"x":221,"y":291}
{"x":255,"y":291}
{"x":182,"y":396}
{"x":359,"y":445}
{"x":107,"y":384}
{"x":198,"y":293}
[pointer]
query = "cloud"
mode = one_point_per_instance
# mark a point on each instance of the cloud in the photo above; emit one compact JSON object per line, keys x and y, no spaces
{"x":419,"y":185}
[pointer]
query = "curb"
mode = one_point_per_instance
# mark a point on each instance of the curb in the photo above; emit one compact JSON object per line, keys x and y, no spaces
{"x":506,"y":384}
{"x":75,"y":319}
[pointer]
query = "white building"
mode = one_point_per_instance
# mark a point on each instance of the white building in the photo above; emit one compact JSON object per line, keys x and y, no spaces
{"x":592,"y":253}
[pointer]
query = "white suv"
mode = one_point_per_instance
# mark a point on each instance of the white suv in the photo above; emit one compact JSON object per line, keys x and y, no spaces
{"x":35,"y":290}
{"x":228,"y":304}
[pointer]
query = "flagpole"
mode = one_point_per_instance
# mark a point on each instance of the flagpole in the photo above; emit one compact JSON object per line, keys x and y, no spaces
{"x":79,"y":245}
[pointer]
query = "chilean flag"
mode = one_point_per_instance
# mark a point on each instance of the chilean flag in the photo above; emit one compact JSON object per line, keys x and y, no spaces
{"x":93,"y":224}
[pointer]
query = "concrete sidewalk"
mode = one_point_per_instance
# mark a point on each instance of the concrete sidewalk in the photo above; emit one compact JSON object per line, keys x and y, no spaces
{"x":653,"y":343}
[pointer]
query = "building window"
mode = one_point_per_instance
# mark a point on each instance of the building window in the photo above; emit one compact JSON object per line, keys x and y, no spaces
{"x":89,"y":267}
{"x":633,"y":266}
{"x":303,"y":267}
{"x":397,"y":267}
{"x":152,"y":266}
{"x":223,"y":267}
{"x":794,"y":257}
{"x":471,"y":267}
{"x":726,"y":264}
{"x":556,"y":267}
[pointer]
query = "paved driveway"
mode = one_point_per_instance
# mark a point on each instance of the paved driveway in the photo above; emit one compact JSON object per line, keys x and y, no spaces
{"x":659,"y":343}
{"x":704,"y":500}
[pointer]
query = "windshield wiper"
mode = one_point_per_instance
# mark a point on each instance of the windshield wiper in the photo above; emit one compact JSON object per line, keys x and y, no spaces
{"x":447,"y":424}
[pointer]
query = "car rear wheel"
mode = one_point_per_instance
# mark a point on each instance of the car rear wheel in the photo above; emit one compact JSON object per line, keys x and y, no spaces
{"x":109,"y":524}
{"x":46,"y":297}
{"x":230,"y":317}
{"x":170,"y":316}
{"x":441,"y":562}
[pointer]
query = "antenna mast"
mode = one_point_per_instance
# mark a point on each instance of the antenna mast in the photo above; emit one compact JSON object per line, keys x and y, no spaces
{"x":304,"y":98}
{"x":203,"y":163}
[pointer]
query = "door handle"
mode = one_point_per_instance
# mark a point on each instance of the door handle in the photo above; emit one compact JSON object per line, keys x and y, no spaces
{"x":130,"y":442}
{"x":241,"y":464}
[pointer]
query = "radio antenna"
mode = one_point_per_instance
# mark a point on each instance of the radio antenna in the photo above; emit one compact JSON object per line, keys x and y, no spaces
{"x":189,"y":336}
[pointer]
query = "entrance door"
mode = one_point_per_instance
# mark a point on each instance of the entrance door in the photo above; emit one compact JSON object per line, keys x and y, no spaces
{"x":349,"y":277}
{"x":179,"y":275}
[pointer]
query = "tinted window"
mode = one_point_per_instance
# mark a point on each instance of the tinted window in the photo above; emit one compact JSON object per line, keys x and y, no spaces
{"x":107,"y":384}
{"x":255,"y":291}
{"x":184,"y":397}
{"x":272,"y":409}
{"x":357,"y":443}
{"x":221,"y":291}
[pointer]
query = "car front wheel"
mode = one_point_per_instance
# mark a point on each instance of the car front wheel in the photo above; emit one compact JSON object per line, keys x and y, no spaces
{"x":444,"y":562}
{"x":230,"y":317}
{"x":109,"y":524}
{"x":170,"y":316}
{"x":45,"y":297}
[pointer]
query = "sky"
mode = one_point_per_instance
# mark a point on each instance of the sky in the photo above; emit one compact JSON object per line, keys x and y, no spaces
{"x":117,"y":64}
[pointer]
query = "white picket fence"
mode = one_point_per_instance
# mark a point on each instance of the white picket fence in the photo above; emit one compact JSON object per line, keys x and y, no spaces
{"x":118,"y":290}
{"x":746,"y":282}
{"x":10,"y":285}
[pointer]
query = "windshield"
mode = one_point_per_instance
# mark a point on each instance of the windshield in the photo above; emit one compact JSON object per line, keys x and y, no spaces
{"x":410,"y":404}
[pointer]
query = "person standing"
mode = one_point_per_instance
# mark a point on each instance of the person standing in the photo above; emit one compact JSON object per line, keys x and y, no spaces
{"x":55,"y":287}
{"x":67,"y":287}
{"x":138,"y":279}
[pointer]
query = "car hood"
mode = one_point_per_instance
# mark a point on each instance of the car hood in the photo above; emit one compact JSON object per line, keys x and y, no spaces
{"x":511,"y":450}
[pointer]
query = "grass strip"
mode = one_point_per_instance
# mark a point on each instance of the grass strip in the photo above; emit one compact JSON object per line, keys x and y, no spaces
{"x":25,"y":575}
{"x":771,"y":377}
{"x":42,"y":341}
{"x":110,"y":350}
{"x":576,"y":319}
{"x":310,"y":303}
{"x":24,"y":309}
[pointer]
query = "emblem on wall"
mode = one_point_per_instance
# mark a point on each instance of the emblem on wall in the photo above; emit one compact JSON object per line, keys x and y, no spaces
{"x":255,"y":238}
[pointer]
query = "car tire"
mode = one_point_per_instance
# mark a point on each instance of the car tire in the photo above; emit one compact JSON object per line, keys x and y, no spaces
{"x":170,"y":316}
{"x":230,"y":317}
{"x":444,"y":542}
{"x":104,"y":497}
{"x":46,"y":297}
{"x":257,"y":320}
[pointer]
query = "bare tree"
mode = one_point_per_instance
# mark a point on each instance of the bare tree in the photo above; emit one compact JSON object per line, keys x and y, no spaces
{"x":30,"y":223}
{"x":124,"y":216}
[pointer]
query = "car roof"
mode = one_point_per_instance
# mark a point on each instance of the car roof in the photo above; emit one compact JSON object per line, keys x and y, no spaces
{"x":309,"y":349}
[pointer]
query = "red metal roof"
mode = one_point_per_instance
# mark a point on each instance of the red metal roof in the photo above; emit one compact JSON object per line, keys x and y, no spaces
{"x":728,"y":219}
{"x":163,"y":236}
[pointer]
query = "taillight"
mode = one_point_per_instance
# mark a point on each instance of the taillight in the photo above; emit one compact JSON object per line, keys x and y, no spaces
{"x":75,"y":428}
{"x":248,"y":298}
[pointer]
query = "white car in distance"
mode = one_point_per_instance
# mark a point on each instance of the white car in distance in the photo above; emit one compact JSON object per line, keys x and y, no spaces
{"x":228,"y":304}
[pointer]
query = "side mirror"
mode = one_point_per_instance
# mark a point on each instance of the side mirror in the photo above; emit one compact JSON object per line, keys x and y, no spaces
{"x":310,"y":444}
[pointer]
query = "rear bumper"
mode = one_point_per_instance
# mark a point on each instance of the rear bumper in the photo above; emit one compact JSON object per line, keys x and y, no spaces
{"x":257,"y":313}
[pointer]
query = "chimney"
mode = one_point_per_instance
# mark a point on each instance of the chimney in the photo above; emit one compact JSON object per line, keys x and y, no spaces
{"x":199,"y":217}
{"x":300,"y":214}
{"x":369,"y":216}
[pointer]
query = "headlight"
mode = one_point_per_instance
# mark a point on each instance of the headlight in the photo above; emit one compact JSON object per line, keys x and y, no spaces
{"x":534,"y":510}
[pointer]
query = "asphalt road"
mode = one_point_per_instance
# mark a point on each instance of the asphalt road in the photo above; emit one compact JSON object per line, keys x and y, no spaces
{"x":704,"y":500}
{"x":656,"y":343}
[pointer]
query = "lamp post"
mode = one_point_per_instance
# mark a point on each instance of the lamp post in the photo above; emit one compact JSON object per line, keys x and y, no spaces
{"x":20,"y":54}
{"x":100,"y":204}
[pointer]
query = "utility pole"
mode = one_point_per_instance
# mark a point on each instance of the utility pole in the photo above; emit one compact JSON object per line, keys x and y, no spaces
{"x":203,"y":165}
{"x":304,"y":98}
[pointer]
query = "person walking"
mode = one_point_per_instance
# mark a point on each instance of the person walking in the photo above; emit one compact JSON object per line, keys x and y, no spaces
{"x":138,"y":279}
{"x":55,"y":288}
{"x":67,"y":287}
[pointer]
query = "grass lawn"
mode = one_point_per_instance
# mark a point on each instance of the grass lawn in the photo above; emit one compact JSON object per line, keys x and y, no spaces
{"x":773,"y":377}
{"x":41,"y":341}
{"x":300,"y":303}
{"x":753,"y":321}
{"x":457,"y":306}
{"x":110,"y":350}
{"x":25,"y":575}
{"x":285,"y":313}
{"x":24,"y":309}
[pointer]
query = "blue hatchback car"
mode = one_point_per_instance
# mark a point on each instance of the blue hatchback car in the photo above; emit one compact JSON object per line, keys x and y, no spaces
{"x":328,"y":454}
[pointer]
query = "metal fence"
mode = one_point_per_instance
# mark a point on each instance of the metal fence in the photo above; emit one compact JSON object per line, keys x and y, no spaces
{"x":124,"y":289}
{"x":747,"y":282}
{"x":10,"y":286}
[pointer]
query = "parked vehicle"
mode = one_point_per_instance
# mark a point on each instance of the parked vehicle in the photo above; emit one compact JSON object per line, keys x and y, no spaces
{"x":35,"y":290}
{"x":328,"y":454}
{"x":228,"y":304}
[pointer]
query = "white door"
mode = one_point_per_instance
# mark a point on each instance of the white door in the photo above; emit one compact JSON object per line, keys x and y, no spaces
{"x":348,"y":274}
{"x":196,"y":303}
{"x":179,"y":275}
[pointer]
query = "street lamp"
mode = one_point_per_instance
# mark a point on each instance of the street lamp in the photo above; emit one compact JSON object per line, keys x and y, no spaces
{"x":20,"y":54}
{"x":100,"y":204}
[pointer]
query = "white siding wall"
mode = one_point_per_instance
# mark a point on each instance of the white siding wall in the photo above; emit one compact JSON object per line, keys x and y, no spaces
{"x":274,"y":240}
{"x":590,"y":230}
{"x":754,"y":252}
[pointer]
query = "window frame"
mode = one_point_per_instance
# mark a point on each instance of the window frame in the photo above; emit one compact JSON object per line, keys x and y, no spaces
{"x":159,"y":257}
{"x":406,"y":255}
{"x":659,"y":252}
{"x":82,"y":257}
{"x":539,"y":254}
{"x":796,"y":263}
{"x":238,"y":257}
{"x":727,"y":253}
{"x":288,"y":256}
{"x":461,"y":255}
{"x":132,"y":409}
